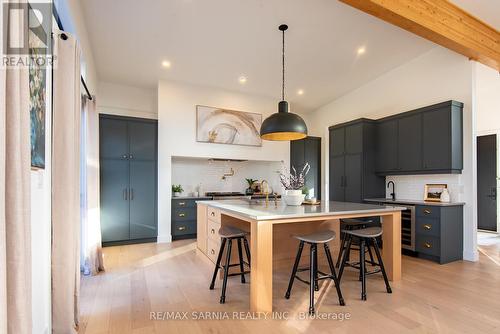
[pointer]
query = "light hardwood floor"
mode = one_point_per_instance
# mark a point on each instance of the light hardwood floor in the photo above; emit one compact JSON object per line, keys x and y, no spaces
{"x":460,"y":297}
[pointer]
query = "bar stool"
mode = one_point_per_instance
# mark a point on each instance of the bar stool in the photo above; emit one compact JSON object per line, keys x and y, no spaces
{"x":228,"y":234}
{"x":313,"y":240}
{"x":352,"y":224}
{"x":365,"y":236}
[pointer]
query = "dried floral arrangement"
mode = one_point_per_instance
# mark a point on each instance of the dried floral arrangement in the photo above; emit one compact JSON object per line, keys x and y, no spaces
{"x":294,"y":180}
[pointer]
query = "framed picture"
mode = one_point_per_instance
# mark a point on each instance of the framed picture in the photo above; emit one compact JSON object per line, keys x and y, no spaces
{"x":224,"y":126}
{"x":37,"y":38}
{"x":433,"y":192}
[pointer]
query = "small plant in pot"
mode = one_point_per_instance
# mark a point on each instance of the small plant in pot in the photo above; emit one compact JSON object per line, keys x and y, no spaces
{"x":293,"y":183}
{"x":249,"y":190}
{"x":177,"y":190}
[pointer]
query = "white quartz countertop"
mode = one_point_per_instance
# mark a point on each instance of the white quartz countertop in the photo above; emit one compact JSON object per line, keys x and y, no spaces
{"x":411,"y":201}
{"x":257,"y":210}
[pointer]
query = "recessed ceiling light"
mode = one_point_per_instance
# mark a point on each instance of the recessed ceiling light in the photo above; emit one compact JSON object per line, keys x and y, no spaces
{"x":361,"y":50}
{"x":242,"y":79}
{"x":166,"y":64}
{"x":300,"y":92}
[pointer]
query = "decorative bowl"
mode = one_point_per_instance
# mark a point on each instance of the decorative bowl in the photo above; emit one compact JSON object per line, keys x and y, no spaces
{"x":295,"y":200}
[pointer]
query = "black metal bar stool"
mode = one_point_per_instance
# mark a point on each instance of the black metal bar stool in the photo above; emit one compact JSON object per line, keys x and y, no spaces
{"x":352,"y":224}
{"x":365,"y":236}
{"x":313,"y":240}
{"x":228,"y":234}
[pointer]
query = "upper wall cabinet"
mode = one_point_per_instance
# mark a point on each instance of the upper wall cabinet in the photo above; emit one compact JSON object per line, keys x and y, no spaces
{"x":423,"y":141}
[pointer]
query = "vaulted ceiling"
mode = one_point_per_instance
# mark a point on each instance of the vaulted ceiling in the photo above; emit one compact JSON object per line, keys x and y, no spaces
{"x":215,"y":42}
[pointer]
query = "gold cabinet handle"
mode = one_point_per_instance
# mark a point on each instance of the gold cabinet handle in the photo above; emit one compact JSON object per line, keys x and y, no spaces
{"x":212,"y":231}
{"x":427,"y":245}
{"x":213,"y":252}
{"x":181,"y":228}
{"x":182,"y":215}
{"x":427,"y":211}
{"x":428,"y":226}
{"x":182,"y":203}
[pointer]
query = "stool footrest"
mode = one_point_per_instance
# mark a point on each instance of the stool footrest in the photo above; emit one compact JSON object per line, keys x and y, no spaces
{"x":238,"y":274}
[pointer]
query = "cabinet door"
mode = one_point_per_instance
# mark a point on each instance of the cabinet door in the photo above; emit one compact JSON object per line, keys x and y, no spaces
{"x":143,"y":199}
{"x":387,"y":133}
{"x":142,"y":137}
{"x":313,"y":157}
{"x":353,"y":178}
{"x":337,"y":174}
{"x":437,"y":139}
{"x":114,"y":200}
{"x":337,"y":139}
{"x":113,"y":140}
{"x":354,"y":139}
{"x":410,"y":143}
{"x":297,"y":153}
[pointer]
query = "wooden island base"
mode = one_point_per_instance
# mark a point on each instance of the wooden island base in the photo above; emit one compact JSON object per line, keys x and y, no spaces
{"x":272,"y":244}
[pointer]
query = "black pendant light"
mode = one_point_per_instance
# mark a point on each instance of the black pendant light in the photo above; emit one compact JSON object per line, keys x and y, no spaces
{"x":283,"y":125}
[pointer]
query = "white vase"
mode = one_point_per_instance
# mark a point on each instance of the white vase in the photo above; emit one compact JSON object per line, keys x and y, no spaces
{"x":177,"y":194}
{"x":294,"y":197}
{"x":445,"y":196}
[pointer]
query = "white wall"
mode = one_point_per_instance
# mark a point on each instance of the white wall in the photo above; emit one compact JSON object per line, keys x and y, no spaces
{"x":177,"y":135}
{"x":124,"y":100}
{"x":191,"y":173}
{"x":433,"y":77}
{"x":487,"y":99}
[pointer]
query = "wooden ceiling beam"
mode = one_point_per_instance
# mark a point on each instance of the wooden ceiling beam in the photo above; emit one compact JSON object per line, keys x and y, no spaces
{"x":441,"y":22}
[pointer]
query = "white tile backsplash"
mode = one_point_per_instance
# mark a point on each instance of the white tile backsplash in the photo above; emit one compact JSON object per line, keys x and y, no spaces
{"x":412,"y":186}
{"x":191,"y":172}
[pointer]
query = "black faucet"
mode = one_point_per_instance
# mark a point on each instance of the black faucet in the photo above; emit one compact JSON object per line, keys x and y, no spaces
{"x":393,"y":194}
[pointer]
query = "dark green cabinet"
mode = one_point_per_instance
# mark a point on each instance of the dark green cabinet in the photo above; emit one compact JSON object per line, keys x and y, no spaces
{"x":387,"y":145}
{"x":128,"y":179}
{"x":352,"y":174}
{"x":308,"y":150}
{"x":439,"y":232}
{"x":422,"y":141}
{"x":184,"y":218}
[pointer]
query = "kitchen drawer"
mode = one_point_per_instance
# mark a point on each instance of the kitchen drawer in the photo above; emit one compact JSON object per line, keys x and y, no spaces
{"x":428,"y":227}
{"x":214,"y":214}
{"x":184,"y":214}
{"x":428,"y":211}
{"x":213,"y":249}
{"x":428,"y":245}
{"x":213,"y":230}
{"x":184,"y":227}
{"x":183,"y":203}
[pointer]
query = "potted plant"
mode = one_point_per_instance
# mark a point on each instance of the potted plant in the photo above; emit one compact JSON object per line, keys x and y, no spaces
{"x":177,"y":190}
{"x":249,"y":190}
{"x":293,"y":183}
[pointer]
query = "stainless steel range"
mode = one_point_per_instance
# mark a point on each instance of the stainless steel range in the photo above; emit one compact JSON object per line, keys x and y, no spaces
{"x":226,"y":195}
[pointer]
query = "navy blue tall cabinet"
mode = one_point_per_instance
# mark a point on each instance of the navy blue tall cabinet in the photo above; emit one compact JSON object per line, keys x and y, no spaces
{"x":128,"y":179}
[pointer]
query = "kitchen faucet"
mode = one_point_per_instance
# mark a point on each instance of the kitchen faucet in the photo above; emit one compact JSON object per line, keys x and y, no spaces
{"x":393,"y":194}
{"x":266,"y":191}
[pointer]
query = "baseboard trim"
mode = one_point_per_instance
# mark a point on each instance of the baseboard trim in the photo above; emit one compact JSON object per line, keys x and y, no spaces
{"x":128,"y":242}
{"x":471,"y":256}
{"x":164,"y":238}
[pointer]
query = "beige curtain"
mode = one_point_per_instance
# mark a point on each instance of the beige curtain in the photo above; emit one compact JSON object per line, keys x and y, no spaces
{"x":15,"y":202}
{"x":66,"y":185}
{"x":91,"y":244}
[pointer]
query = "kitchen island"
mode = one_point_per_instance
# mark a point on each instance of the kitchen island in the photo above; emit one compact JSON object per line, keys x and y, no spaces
{"x":271,"y":228}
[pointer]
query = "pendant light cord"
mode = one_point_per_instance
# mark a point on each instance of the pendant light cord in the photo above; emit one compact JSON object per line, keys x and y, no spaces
{"x":283,"y":68}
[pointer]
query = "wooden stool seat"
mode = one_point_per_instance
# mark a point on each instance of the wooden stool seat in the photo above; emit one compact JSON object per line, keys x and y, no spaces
{"x":369,"y":232}
{"x":317,"y":237}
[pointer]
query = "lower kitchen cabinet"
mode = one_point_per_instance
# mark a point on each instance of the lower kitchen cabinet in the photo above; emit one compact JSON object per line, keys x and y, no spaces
{"x":184,"y":216}
{"x":439,"y":232}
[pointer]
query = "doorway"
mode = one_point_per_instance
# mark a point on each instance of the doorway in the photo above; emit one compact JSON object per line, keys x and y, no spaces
{"x":487,"y":183}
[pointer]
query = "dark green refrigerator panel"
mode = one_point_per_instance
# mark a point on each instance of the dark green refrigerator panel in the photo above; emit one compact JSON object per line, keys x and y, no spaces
{"x":142,"y":199}
{"x":114,"y":200}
